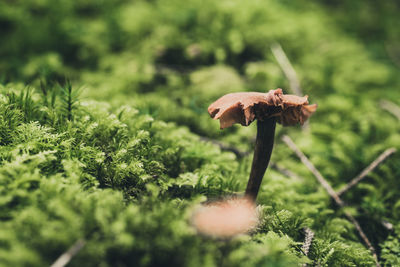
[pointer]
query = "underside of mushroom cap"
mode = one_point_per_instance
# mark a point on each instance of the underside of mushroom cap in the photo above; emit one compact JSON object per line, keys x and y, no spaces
{"x":245,"y":107}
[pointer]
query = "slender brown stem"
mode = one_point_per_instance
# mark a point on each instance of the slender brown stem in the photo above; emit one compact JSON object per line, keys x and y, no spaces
{"x":262,"y":154}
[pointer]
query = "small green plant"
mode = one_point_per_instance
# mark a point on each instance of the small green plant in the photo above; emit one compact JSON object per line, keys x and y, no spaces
{"x":69,"y":99}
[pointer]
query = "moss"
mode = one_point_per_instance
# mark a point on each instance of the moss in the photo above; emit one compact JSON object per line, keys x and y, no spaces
{"x":123,"y":161}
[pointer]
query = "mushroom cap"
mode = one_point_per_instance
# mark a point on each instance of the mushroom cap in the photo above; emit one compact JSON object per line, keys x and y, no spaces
{"x":227,"y":218}
{"x":244,"y":108}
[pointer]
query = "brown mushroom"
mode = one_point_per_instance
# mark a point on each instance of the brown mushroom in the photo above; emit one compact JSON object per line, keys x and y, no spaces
{"x":267,"y":108}
{"x":227,"y":218}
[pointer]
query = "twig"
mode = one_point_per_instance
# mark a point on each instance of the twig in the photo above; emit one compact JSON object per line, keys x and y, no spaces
{"x":393,"y":53}
{"x":307,"y":240}
{"x":391,"y":107}
{"x":239,"y":153}
{"x":363,"y":237}
{"x":331,"y":192}
{"x":367,"y":170}
{"x":289,"y":72}
{"x":287,"y":68}
{"x":66,"y":257}
{"x":285,"y":171}
{"x":387,"y":225}
{"x":311,"y":167}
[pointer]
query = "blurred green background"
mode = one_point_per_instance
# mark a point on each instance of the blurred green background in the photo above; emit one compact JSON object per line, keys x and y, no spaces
{"x":168,"y":60}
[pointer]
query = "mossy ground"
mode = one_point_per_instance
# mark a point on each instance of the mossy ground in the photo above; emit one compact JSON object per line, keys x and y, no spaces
{"x":118,"y":157}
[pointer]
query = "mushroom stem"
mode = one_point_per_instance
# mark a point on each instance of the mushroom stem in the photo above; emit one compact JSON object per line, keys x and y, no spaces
{"x":262,"y":154}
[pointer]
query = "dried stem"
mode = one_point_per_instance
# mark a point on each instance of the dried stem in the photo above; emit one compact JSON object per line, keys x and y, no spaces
{"x":311,"y":167}
{"x":307,"y":240}
{"x":66,"y":257}
{"x":262,"y":155}
{"x":287,"y":68}
{"x":391,"y":107}
{"x":363,"y":237}
{"x":285,"y":171}
{"x":332,"y":193}
{"x":289,"y":71}
{"x":393,"y":52}
{"x":239,"y":153}
{"x":387,"y":225}
{"x":367,"y":170}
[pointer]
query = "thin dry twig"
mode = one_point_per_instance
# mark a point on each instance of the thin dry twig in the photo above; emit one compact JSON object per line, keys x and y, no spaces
{"x":311,"y":167}
{"x":331,"y":192}
{"x":309,"y":235}
{"x":66,"y":257}
{"x":367,"y":170}
{"x":391,"y":107}
{"x":307,"y":240}
{"x":393,"y":52}
{"x":363,"y":237}
{"x":387,"y":225}
{"x":239,"y":153}
{"x":287,"y":68}
{"x":284,"y":171}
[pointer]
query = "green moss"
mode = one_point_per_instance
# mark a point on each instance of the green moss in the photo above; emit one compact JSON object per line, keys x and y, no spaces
{"x":122,"y":162}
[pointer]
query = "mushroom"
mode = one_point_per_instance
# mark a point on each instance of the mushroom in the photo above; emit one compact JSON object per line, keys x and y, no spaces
{"x":226,"y":218}
{"x":267,"y":108}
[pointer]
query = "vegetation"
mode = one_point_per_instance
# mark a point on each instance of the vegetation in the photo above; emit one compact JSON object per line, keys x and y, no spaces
{"x":104,"y":129}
